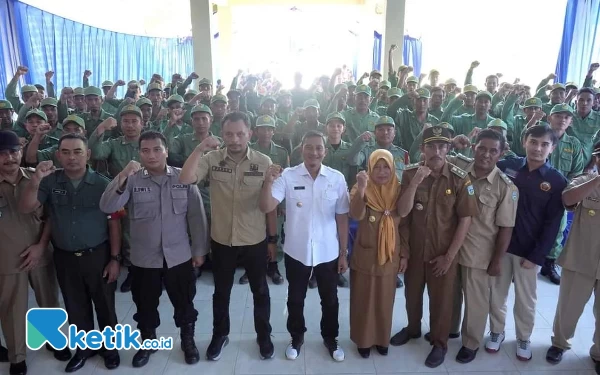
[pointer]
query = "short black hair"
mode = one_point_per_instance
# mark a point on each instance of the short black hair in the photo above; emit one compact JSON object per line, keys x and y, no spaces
{"x":491,"y":76}
{"x":314,"y":134}
{"x":493,"y":135}
{"x":539,"y":131}
{"x":588,"y":90}
{"x":151,"y":134}
{"x":82,"y":138}
{"x":236,"y":116}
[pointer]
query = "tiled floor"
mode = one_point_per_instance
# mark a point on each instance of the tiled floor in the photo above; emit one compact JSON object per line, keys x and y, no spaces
{"x":241,"y":355}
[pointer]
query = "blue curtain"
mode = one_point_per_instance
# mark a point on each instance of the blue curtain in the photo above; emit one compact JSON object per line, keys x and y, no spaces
{"x":580,"y":44}
{"x":377,"y":51}
{"x":49,"y":42}
{"x":9,"y":50}
{"x":412,"y":54}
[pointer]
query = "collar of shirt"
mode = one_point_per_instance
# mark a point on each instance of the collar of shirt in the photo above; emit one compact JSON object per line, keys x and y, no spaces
{"x":343,"y":146}
{"x":22,"y":174}
{"x":193,"y":135}
{"x":490,"y":177}
{"x":303,"y":171}
{"x":225,"y":154}
{"x":271,"y":150}
{"x":146,"y":174}
{"x":88,"y":178}
{"x":124,"y":141}
{"x":542,"y":170}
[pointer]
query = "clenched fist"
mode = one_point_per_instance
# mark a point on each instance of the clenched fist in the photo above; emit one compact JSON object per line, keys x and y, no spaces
{"x":421,"y":175}
{"x":362,"y":180}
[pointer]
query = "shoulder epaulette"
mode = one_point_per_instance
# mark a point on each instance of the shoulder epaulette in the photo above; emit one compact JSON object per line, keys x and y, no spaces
{"x":459,"y":172}
{"x":505,"y":178}
{"x":464,"y":158}
{"x":412,"y":166}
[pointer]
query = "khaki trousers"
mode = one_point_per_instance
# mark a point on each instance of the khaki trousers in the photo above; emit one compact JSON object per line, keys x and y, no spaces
{"x":14,"y":296}
{"x":477,"y":288}
{"x":525,"y":297}
{"x":457,"y":303}
{"x":575,"y":290}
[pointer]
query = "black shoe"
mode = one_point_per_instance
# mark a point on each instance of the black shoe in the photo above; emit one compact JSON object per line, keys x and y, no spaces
{"x":61,"y":355}
{"x":435,"y":357}
{"x":244,"y":279}
{"x":312,"y":282}
{"x":126,"y":286}
{"x":364,"y":352}
{"x":3,"y":354}
{"x":399,"y":283}
{"x":554,"y":355}
{"x":266,"y":348}
{"x":76,"y":363}
{"x":466,"y":355}
{"x":141,"y":358}
{"x":188,"y":345}
{"x":427,"y":336}
{"x":273,"y":273}
{"x":342,"y":281}
{"x":403,"y":337}
{"x":112,"y":360}
{"x":549,"y":270}
{"x":18,"y":368}
{"x":213,"y":353}
{"x":383,"y":350}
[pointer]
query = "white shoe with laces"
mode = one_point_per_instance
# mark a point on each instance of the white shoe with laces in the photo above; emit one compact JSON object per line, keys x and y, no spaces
{"x":494,"y":342}
{"x":524,"y":350}
{"x":336,"y":351}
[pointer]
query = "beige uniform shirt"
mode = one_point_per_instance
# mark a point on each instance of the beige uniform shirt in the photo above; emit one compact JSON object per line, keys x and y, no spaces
{"x":497,"y":199}
{"x":234,"y":193}
{"x":17,"y":231}
{"x":581,"y":253}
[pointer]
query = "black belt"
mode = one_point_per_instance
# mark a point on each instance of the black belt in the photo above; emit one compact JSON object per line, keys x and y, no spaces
{"x":81,"y":252}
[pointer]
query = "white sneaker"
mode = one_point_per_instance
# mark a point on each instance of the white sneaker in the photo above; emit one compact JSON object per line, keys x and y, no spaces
{"x":494,"y":342}
{"x":336,"y":351}
{"x":523,"y":350}
{"x":293,"y":349}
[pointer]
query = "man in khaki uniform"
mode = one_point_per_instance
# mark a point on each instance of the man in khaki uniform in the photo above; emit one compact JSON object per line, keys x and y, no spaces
{"x":440,"y":201}
{"x":487,"y":239}
{"x":580,"y":262}
{"x":25,"y":258}
{"x":239,"y":230}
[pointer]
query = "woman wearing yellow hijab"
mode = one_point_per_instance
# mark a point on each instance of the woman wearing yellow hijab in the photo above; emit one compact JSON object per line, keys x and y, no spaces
{"x":377,"y":255}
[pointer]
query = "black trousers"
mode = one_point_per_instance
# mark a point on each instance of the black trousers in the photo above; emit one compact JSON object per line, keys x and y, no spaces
{"x":298,"y":275}
{"x":146,"y":289}
{"x":225,"y":260}
{"x":84,"y":289}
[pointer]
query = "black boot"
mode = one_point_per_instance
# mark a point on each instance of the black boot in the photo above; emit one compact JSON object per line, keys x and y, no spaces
{"x":141,"y":358}
{"x":549,"y":270}
{"x":188,"y":345}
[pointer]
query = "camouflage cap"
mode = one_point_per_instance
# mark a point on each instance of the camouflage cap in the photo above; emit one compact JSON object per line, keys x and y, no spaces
{"x":562,"y":108}
{"x":497,"y":123}
{"x":218,"y":98}
{"x":385,"y":120}
{"x":385,"y":83}
{"x":92,"y":90}
{"x":412,"y":79}
{"x":28,"y":88}
{"x":131,"y":109}
{"x":265,"y":121}
{"x":5,"y":104}
{"x":363,"y":89}
{"x":78,"y":91}
{"x":107,"y":84}
{"x":533,"y":102}
{"x":336,"y":115}
{"x":470,"y":88}
{"x":49,"y":101}
{"x":143,"y":101}
{"x":201,"y":108}
{"x":423,"y":93}
{"x":483,"y":94}
{"x":74,"y":119}
{"x":154,"y":86}
{"x":174,"y":99}
{"x":394,"y":91}
{"x":314,"y":103}
{"x":36,"y":112}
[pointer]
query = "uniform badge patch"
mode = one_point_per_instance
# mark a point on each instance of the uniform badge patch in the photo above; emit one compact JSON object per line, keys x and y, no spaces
{"x":221,"y":169}
{"x":222,"y":163}
{"x":253,"y":167}
{"x":470,"y":190}
{"x":179,"y":186}
{"x":141,"y":190}
{"x":515,"y":196}
{"x":545,"y":186}
{"x":59,"y":192}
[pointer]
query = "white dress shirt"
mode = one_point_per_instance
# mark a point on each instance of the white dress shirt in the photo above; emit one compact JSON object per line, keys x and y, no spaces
{"x":311,"y":235}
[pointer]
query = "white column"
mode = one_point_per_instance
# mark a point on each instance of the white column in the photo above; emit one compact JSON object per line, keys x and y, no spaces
{"x":394,"y":33}
{"x":203,"y":31}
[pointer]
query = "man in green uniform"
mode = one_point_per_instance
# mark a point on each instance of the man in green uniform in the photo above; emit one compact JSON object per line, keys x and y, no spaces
{"x":360,"y":119}
{"x":284,"y":106}
{"x":558,"y":94}
{"x":73,"y":124}
{"x":36,"y":121}
{"x":174,"y":125}
{"x":11,"y":89}
{"x":79,"y":100}
{"x":145,"y":105}
{"x":6,"y":115}
{"x":155,"y":95}
{"x":518,"y":123}
{"x":218,"y":106}
{"x":462,"y":104}
{"x":586,"y":123}
{"x":502,"y":128}
{"x":410,"y":122}
{"x":437,"y":99}
{"x":567,"y":158}
{"x":96,"y":113}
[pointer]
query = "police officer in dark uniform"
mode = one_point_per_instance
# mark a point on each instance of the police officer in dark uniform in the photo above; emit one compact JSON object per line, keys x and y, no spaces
{"x":86,"y":241}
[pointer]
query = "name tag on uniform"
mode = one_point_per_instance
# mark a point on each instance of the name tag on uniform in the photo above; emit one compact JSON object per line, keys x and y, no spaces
{"x":141,"y":190}
{"x":299,"y":187}
{"x":593,"y":199}
{"x":179,"y":186}
{"x":59,"y":192}
{"x":252,"y":173}
{"x":222,"y":169}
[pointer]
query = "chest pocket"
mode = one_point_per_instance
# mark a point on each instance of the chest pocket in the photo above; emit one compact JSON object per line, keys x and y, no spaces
{"x":487,"y":205}
{"x":3,"y":202}
{"x":222,"y":177}
{"x":421,"y":201}
{"x":300,"y":194}
{"x":59,"y":199}
{"x":252,"y":181}
{"x":180,"y":201}
{"x":145,"y":205}
{"x":590,"y":204}
{"x":330,"y":197}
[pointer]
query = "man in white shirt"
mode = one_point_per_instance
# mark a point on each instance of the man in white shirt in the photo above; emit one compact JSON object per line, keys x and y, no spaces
{"x":316,"y":229}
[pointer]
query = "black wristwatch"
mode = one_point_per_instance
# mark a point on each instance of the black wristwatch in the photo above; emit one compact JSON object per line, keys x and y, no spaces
{"x":117,"y":257}
{"x":272,"y":239}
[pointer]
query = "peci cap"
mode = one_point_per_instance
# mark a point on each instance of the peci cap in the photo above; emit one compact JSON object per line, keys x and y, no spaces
{"x":131,"y":109}
{"x":562,"y":108}
{"x":49,"y":101}
{"x":385,"y":120}
{"x":437,"y":133}
{"x":265,"y":121}
{"x":36,"y":112}
{"x":497,"y":123}
{"x":336,"y":115}
{"x":92,"y":90}
{"x":9,"y":140}
{"x":533,"y":102}
{"x":74,"y":119}
{"x":201,"y":108}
